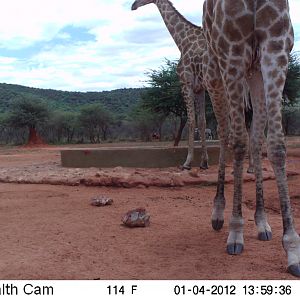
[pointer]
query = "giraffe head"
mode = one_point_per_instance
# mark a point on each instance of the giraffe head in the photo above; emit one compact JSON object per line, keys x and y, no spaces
{"x":139,"y":3}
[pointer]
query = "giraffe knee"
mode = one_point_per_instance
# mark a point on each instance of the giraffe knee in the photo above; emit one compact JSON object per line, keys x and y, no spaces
{"x":277,"y":154}
{"x":191,"y":122}
{"x":239,"y":150}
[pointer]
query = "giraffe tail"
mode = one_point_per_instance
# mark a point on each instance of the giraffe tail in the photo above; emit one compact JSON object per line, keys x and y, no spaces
{"x":246,"y":96}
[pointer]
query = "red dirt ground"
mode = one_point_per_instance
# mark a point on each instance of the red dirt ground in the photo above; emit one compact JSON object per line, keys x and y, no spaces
{"x":52,"y":232}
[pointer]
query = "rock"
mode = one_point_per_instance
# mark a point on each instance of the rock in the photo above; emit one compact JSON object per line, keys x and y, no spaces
{"x":194,"y":173}
{"x":141,"y":186}
{"x":177,"y":181}
{"x":118,"y":169}
{"x":99,"y":174}
{"x":101,"y":201}
{"x":136,"y":218}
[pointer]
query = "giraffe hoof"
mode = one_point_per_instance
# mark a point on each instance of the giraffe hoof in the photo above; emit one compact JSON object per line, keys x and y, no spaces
{"x":217,"y":224}
{"x":204,"y":166}
{"x":185,"y":167}
{"x":250,"y":170}
{"x":294,"y":270}
{"x":235,"y":249}
{"x":265,"y":236}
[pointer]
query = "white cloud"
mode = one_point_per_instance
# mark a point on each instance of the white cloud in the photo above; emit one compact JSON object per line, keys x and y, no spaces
{"x":35,"y":20}
{"x":126,"y":44}
{"x":294,"y":11}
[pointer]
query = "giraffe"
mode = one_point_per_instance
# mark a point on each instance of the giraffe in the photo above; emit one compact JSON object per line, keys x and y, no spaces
{"x":251,"y":41}
{"x":189,"y":40}
{"x":208,"y":77}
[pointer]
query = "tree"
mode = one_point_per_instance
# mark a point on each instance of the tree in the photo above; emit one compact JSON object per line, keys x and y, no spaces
{"x":64,"y":125}
{"x":145,"y":122}
{"x":291,"y":92}
{"x":30,"y":113}
{"x":3,"y":118}
{"x":164,"y":97}
{"x":96,"y":121}
{"x":3,"y":125}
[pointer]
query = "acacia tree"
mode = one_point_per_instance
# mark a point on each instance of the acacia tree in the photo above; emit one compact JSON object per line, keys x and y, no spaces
{"x":145,"y":122}
{"x":96,"y":120}
{"x":29,"y":113}
{"x":63,"y":124}
{"x":164,"y":97}
{"x":291,"y":91}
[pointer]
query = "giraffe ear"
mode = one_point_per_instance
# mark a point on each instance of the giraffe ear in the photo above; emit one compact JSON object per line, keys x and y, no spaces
{"x":134,"y":6}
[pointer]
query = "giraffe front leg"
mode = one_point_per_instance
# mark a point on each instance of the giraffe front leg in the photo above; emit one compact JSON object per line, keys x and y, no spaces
{"x":291,"y":239}
{"x":235,"y":241}
{"x":217,"y":218}
{"x":218,"y":96}
{"x":222,"y":116}
{"x":263,"y":227}
{"x":277,"y":151}
{"x":291,"y":245}
{"x":188,"y":96}
{"x":256,"y":139}
{"x":200,"y":111}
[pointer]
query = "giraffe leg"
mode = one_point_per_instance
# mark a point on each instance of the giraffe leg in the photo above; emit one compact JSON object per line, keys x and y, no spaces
{"x":217,"y":218}
{"x":251,"y":167}
{"x":222,"y":116}
{"x":188,"y":96}
{"x":214,"y":85}
{"x":235,"y":241}
{"x":258,"y":125}
{"x":273,"y":87}
{"x":200,"y":100}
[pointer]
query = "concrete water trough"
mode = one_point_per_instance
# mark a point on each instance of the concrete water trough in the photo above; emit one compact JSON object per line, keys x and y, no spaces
{"x":137,"y":157}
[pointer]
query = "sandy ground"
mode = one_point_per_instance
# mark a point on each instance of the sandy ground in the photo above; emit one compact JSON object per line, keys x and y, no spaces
{"x":52,"y":231}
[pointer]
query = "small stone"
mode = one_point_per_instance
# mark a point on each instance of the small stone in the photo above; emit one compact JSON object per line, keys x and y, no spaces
{"x":99,"y":174}
{"x":194,"y":173}
{"x":141,"y":186}
{"x":136,"y":218}
{"x":118,"y":169}
{"x":101,"y":201}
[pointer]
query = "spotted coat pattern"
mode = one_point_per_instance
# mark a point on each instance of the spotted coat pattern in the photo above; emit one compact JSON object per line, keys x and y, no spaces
{"x":191,"y":43}
{"x":251,"y":41}
{"x":198,"y":70}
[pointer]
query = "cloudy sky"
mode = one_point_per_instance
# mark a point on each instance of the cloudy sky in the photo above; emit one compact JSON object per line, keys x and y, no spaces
{"x":89,"y":45}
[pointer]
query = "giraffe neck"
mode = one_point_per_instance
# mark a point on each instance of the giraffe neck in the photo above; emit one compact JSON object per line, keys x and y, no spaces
{"x":177,"y":25}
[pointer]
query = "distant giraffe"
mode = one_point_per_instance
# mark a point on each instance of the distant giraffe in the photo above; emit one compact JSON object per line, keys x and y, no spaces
{"x":208,"y":77}
{"x":191,"y":44}
{"x":251,"y":41}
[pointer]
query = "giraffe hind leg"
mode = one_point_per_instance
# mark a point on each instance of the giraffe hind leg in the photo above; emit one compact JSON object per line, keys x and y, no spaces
{"x":277,"y":151}
{"x":258,"y":125}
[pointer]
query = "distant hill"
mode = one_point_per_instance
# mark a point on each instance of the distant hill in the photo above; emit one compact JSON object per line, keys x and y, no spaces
{"x":118,"y":101}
